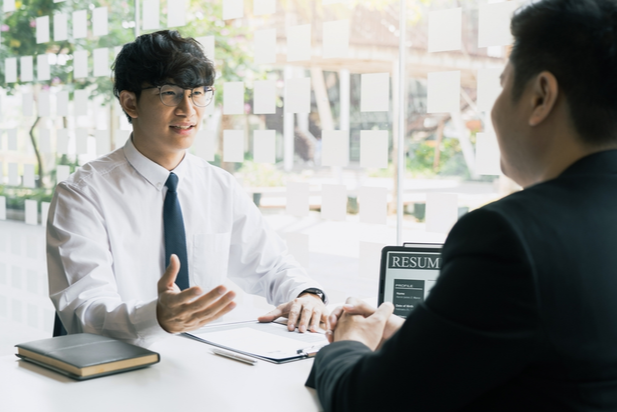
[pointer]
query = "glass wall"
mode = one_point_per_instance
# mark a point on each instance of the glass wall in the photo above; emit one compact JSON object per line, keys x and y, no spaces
{"x":306,"y":117}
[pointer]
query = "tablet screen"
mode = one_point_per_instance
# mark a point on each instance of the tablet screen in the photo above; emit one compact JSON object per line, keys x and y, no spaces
{"x":407,"y":275}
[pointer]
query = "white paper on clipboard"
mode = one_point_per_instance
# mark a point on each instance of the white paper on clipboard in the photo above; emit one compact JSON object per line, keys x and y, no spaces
{"x":267,"y":341}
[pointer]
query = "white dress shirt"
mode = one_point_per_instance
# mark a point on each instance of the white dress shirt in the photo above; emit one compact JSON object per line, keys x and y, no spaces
{"x":105,"y":247}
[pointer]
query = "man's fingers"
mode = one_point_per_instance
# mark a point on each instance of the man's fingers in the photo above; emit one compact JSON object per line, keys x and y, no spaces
{"x":173,"y":298}
{"x":211,"y":311}
{"x":222,"y":311}
{"x":280,"y":310}
{"x":294,"y":312}
{"x":384,"y":311}
{"x":333,"y":319}
{"x":210,"y":298}
{"x":305,"y":318}
{"x":315,"y":321}
{"x":358,"y":307}
{"x":168,"y":279}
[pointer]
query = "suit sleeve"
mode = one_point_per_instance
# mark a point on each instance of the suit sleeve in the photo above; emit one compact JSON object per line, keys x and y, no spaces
{"x":477,"y":329}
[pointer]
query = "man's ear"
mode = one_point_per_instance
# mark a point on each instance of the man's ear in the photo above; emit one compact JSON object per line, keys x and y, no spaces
{"x":128,"y":101}
{"x":544,"y":94}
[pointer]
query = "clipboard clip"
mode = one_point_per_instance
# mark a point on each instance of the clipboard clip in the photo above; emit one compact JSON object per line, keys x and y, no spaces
{"x":310,"y":352}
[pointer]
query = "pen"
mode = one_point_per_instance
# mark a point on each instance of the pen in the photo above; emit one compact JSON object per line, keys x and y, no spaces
{"x":234,"y":356}
{"x":309,"y":352}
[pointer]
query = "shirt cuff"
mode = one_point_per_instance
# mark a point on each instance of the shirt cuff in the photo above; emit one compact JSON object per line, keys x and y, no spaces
{"x":147,"y":325}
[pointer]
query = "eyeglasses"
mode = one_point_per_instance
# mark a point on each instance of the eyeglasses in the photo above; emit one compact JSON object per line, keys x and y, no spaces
{"x":171,"y":94}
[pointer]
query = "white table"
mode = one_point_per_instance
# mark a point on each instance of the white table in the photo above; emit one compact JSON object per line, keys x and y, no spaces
{"x":188,"y":378}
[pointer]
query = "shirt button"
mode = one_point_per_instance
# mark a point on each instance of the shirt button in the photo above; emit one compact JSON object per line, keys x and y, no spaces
{"x":158,"y":185}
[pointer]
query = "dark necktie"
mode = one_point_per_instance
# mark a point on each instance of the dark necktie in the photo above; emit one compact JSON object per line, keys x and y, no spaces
{"x":175,"y":238}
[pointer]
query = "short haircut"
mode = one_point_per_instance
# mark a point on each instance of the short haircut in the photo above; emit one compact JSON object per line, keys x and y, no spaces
{"x":575,"y":40}
{"x":155,"y":58}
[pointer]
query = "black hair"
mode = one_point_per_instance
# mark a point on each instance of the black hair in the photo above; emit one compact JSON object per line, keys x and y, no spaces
{"x":155,"y":58}
{"x":576,"y":41}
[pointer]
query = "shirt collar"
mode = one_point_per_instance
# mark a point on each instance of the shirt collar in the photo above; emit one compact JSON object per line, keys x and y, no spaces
{"x":154,"y":173}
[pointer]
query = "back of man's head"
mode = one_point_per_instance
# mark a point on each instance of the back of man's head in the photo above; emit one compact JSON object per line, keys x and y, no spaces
{"x":157,"y":58}
{"x":575,"y":40}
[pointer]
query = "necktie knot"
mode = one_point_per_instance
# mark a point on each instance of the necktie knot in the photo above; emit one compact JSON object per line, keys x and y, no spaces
{"x":172,"y":182}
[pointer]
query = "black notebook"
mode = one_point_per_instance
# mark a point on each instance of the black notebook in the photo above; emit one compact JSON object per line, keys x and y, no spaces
{"x":85,"y":356}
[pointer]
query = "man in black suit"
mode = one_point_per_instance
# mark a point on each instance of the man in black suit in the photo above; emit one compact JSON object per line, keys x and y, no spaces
{"x":524,"y":314}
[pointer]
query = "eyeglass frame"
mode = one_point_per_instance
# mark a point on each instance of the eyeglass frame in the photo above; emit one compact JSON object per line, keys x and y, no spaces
{"x":208,"y":88}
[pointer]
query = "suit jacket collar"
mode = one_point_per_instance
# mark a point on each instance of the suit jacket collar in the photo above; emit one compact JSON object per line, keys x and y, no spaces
{"x":604,"y":162}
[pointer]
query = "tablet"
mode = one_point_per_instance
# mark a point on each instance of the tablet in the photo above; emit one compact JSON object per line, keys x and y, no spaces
{"x":407,"y":275}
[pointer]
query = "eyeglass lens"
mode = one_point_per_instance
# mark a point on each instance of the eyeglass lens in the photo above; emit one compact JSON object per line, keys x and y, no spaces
{"x":173,"y":95}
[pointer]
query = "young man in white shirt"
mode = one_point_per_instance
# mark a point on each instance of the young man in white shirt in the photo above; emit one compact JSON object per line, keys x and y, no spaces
{"x":124,"y":229}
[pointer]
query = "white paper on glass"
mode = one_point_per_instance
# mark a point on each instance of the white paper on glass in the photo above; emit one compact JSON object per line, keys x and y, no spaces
{"x":62,"y":173}
{"x":334,"y":202}
{"x":62,"y":142}
{"x":489,"y":88}
{"x":44,"y":212}
{"x":45,"y":141}
{"x":101,"y":62}
{"x":207,"y":42}
{"x":233,"y":98}
{"x":42,"y":29}
{"x":80,"y":24}
{"x":8,"y":5}
{"x":299,"y":43}
{"x":176,"y":14}
{"x":29,"y":176}
{"x":298,"y":247}
{"x":264,"y":146}
{"x":261,"y":7}
{"x":80,"y":102}
{"x":13,"y":176}
{"x":10,"y":70}
{"x":26,"y":69}
{"x":297,"y":199}
{"x":370,"y":259}
{"x":233,"y":146}
{"x":11,"y":136}
{"x":204,"y":145}
{"x":373,"y":203}
{"x":375,"y":92}
{"x":2,"y":208}
{"x":42,"y":67}
{"x":444,"y":30}
{"x":103,"y":144}
{"x":298,"y":95}
{"x":32,"y":212}
{"x":233,"y":9}
{"x":61,"y":23}
{"x":100,"y":21}
{"x":335,"y":39}
{"x":488,"y":158}
{"x":80,"y":64}
{"x":264,"y":97}
{"x":441,"y":212}
{"x":62,"y":104}
{"x":265,"y":46}
{"x":27,"y":104}
{"x":374,"y":148}
{"x":444,"y":92}
{"x":81,"y":141}
{"x":494,"y":24}
{"x":334,"y":148}
{"x":150,"y":14}
{"x":44,"y":106}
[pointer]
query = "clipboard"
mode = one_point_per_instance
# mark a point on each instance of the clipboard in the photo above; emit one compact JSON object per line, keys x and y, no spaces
{"x":407,"y":274}
{"x":271,"y":342}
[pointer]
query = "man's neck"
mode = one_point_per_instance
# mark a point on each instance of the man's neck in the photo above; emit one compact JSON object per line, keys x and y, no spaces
{"x":165,"y":159}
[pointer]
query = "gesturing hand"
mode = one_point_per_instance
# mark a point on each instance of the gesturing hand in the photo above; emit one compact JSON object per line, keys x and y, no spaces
{"x":182,"y":311}
{"x":368,"y":330}
{"x":355,"y":306}
{"x":306,"y":312}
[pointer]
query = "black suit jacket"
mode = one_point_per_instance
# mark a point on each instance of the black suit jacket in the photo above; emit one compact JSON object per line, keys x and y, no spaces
{"x":523,"y":316}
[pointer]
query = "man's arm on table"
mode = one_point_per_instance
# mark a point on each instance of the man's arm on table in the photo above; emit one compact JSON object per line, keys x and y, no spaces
{"x":478,"y":328}
{"x":260,"y":264}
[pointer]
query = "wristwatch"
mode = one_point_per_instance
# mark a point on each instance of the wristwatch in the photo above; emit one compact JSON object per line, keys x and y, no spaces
{"x":315,"y":291}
